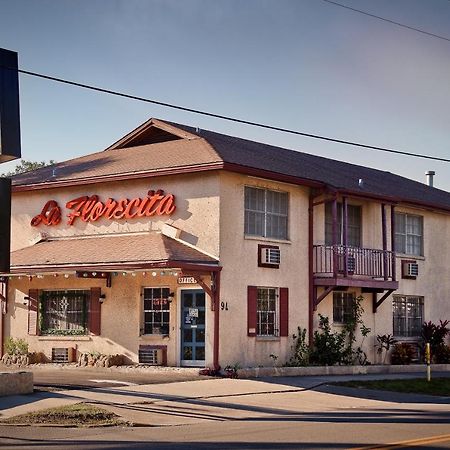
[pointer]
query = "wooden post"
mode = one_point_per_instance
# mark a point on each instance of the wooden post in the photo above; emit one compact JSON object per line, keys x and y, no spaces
{"x":384,"y":231}
{"x":334,"y":237}
{"x":394,"y":274}
{"x":345,"y":234}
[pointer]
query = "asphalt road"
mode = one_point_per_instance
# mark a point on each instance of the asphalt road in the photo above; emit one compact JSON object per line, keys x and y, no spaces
{"x":249,"y":414}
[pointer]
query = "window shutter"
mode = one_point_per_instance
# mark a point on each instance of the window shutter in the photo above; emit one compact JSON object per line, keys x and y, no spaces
{"x":284,"y":311}
{"x":33,"y":310}
{"x":252,"y":293}
{"x":95,"y":311}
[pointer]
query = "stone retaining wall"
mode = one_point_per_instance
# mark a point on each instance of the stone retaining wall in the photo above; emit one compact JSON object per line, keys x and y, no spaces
{"x":256,"y":372}
{"x":14,"y":383}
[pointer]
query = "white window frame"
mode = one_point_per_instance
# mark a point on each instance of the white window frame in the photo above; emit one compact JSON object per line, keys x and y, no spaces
{"x":407,"y":299}
{"x":259,"y":312}
{"x":153,"y":311}
{"x":404,"y":250}
{"x":285,"y":233}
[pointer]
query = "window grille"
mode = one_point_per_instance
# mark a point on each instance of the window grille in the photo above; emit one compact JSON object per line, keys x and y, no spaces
{"x":64,"y":312}
{"x":267,"y":311}
{"x":343,"y":306}
{"x":156,"y":310}
{"x":407,"y":315}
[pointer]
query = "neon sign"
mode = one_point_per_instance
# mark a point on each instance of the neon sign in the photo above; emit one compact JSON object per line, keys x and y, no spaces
{"x":91,"y":208}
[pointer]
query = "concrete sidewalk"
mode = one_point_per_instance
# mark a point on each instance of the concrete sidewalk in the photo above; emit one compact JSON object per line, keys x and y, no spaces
{"x":220,"y":399}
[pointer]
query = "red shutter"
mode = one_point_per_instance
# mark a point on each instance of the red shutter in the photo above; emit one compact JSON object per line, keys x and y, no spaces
{"x":284,"y":311}
{"x":252,"y":293}
{"x":95,"y":312}
{"x":33,"y":311}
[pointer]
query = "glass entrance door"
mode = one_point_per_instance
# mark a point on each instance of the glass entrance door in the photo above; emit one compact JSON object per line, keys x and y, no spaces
{"x":193,"y":328}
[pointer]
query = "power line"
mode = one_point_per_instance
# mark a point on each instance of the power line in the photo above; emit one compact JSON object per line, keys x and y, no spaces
{"x":228,"y":118}
{"x":388,"y":20}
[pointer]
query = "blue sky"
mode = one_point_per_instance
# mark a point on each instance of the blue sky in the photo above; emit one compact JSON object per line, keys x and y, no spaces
{"x":301,"y":64}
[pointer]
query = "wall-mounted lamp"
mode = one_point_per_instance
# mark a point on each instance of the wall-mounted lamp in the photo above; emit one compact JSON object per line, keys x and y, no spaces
{"x":102,"y":298}
{"x":26,"y":299}
{"x":171,"y":297}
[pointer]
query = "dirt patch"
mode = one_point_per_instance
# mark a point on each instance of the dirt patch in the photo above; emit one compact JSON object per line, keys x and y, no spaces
{"x":77,"y":415}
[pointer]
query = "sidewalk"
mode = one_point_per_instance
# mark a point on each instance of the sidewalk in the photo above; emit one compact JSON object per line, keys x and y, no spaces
{"x":210,"y":399}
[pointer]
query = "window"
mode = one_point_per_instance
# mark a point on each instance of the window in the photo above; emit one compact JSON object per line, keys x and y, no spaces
{"x":343,"y":306}
{"x":407,"y":315}
{"x":267,"y":312}
{"x":156,"y":310}
{"x":64,"y":312}
{"x":266,"y":213}
{"x":409,"y":234}
{"x":353,"y":225}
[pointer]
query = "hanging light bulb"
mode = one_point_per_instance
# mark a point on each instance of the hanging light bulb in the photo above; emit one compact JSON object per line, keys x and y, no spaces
{"x":154,"y":274}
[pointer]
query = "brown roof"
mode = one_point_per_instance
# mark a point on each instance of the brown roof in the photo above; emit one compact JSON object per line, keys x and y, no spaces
{"x":108,"y":252}
{"x":158,"y":147}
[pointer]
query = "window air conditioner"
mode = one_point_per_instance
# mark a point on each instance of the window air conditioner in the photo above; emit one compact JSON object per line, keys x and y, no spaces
{"x":411,"y":269}
{"x":270,"y":256}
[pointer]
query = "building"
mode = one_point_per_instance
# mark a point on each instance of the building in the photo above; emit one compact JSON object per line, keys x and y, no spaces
{"x":182,"y":246}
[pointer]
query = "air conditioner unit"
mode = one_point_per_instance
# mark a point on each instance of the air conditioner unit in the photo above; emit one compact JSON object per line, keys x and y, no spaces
{"x":270,"y":256}
{"x":351,"y":263}
{"x":63,"y":355}
{"x":154,"y":355}
{"x":410,"y":269}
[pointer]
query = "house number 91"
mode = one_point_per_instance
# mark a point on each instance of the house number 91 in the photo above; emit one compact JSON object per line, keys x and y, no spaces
{"x":224,"y":306}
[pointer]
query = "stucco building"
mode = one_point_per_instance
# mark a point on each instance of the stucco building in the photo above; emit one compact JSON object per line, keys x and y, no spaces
{"x":182,"y":246}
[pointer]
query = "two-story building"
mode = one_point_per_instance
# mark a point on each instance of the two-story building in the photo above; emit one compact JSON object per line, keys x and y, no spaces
{"x":187,"y":247}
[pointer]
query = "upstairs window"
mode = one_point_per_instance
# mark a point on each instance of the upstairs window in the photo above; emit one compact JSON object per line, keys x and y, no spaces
{"x":409,"y":234}
{"x":266,"y":213}
{"x":353,"y":225}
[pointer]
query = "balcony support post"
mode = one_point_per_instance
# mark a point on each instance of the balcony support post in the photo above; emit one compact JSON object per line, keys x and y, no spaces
{"x":345,"y":234}
{"x":394,"y":274}
{"x":334,"y":238}
{"x":384,"y":232}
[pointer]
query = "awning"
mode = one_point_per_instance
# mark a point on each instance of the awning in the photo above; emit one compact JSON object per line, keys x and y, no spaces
{"x":115,"y":252}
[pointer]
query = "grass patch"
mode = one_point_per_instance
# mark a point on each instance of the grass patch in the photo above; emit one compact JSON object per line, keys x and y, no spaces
{"x":437,"y":386}
{"x":77,"y":415}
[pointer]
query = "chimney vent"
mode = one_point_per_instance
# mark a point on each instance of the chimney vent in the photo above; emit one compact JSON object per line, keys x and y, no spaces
{"x":430,"y":174}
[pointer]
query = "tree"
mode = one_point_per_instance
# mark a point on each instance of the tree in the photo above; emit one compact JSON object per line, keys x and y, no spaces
{"x":27,"y":166}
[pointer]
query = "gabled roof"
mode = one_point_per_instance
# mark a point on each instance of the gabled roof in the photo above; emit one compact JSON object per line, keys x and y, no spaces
{"x":118,"y":252}
{"x":157,"y":148}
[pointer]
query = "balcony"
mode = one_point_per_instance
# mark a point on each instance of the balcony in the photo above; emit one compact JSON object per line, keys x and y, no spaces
{"x":346,"y":266}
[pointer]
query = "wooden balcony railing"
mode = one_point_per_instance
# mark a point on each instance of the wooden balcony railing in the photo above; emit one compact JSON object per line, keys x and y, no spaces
{"x":344,"y":261}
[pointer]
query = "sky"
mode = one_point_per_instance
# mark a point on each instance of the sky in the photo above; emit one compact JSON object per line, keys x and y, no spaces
{"x":305,"y":65}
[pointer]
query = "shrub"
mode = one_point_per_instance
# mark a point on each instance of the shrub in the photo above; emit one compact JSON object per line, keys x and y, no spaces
{"x":385,"y":342}
{"x":435,"y":335}
{"x":403,"y":353}
{"x":300,"y":350}
{"x":329,"y":347}
{"x":442,"y":354}
{"x":16,"y":346}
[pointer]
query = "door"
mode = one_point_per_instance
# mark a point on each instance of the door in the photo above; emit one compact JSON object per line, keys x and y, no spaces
{"x":193,"y":328}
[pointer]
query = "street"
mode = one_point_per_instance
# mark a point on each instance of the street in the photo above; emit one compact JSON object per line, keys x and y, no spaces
{"x":223,"y":413}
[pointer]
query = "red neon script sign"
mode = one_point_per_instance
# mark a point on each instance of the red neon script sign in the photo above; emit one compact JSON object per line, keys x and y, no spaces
{"x":90,"y":209}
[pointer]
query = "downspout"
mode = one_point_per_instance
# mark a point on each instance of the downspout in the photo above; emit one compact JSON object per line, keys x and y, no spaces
{"x":216,"y":320}
{"x":311,"y":269}
{"x":3,"y":298}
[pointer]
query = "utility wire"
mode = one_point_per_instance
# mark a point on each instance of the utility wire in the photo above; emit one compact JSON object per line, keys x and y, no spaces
{"x":228,"y":118}
{"x":388,"y":20}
